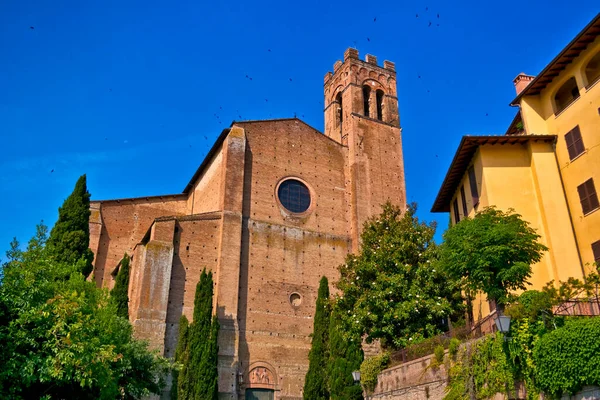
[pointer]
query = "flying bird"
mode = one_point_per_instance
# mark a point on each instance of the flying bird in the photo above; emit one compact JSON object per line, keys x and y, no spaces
{"x":31,"y":27}
{"x":375,"y":19}
{"x":52,"y":171}
{"x":417,"y":16}
{"x":429,"y":24}
{"x":368,"y":40}
{"x":438,"y":15}
{"x":290,"y":79}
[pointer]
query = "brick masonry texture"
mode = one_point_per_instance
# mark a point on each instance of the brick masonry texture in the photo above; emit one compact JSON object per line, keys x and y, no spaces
{"x":266,"y":260}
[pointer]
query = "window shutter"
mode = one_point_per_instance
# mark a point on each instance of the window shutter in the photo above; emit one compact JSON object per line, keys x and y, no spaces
{"x":588,"y":196}
{"x":464,"y":200}
{"x":570,"y":145}
{"x":596,"y":251}
{"x":473,"y":184}
{"x":456,"y":215}
{"x":574,"y":142}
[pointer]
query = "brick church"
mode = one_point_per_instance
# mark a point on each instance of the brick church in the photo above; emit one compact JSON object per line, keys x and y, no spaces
{"x":274,"y":206}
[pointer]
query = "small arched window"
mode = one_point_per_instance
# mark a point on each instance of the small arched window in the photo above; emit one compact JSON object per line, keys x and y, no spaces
{"x":592,"y":70}
{"x":568,"y":93}
{"x":340,"y":110}
{"x":379,"y":95}
{"x":366,"y":96}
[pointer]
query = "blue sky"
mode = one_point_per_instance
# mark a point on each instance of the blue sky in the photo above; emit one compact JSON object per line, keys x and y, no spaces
{"x":134,"y":93}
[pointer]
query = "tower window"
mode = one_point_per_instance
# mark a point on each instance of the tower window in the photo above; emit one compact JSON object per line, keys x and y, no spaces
{"x":592,"y":70}
{"x":464,"y":201}
{"x":366,"y":96}
{"x":568,"y":93}
{"x":294,"y":196}
{"x":379,"y":95}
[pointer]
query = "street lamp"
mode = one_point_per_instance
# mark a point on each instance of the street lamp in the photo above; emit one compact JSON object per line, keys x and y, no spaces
{"x":356,"y":377}
{"x":502,"y":323}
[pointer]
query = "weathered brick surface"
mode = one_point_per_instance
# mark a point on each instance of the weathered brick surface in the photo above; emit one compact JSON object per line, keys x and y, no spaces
{"x":266,"y":261}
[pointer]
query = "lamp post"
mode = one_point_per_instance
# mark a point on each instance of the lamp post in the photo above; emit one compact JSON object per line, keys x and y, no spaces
{"x":356,"y":377}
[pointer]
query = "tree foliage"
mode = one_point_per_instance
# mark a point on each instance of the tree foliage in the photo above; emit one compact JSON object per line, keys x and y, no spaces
{"x":61,"y":337}
{"x":70,"y":237}
{"x":491,"y":252}
{"x":315,"y":383}
{"x":198,"y":378}
{"x":393,"y":290}
{"x":345,"y":356}
{"x":119,"y":294}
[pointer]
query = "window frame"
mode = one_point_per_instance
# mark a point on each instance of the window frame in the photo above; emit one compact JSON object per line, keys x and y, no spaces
{"x":285,"y":203}
{"x":563,"y":107}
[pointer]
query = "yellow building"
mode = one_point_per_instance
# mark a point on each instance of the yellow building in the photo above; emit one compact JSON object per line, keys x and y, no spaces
{"x":547,"y":165}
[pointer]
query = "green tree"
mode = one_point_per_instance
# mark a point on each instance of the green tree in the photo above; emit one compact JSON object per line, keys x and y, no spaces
{"x":119,"y":293}
{"x":63,"y":338}
{"x":315,"y":383}
{"x":491,"y":252}
{"x":198,"y":378}
{"x":70,"y":237}
{"x":180,"y":353}
{"x":393,"y":290}
{"x":345,"y":356}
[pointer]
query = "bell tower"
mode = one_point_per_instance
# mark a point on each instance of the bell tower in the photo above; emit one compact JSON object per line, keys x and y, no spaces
{"x":361,"y":113}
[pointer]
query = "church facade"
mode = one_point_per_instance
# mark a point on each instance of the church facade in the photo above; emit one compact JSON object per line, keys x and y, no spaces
{"x":274,"y":206}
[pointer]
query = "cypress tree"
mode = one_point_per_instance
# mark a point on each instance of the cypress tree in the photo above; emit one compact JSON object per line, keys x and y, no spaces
{"x":197,"y":380}
{"x":315,"y":384}
{"x":70,"y":237}
{"x":180,"y":351}
{"x":345,"y":356}
{"x":118,"y":294}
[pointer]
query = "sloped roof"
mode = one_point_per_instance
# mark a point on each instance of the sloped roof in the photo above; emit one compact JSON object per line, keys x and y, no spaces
{"x":462,"y":159}
{"x":560,"y":62}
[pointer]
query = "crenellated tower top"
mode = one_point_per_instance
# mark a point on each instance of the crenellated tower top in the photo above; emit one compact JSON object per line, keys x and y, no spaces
{"x":362,"y":89}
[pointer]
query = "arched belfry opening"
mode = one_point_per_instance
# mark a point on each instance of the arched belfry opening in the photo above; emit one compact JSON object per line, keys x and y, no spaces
{"x":366,"y":103}
{"x":379,"y":96}
{"x":340,"y":110}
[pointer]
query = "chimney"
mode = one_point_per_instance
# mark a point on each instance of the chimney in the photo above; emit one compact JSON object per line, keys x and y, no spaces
{"x":521,"y":82}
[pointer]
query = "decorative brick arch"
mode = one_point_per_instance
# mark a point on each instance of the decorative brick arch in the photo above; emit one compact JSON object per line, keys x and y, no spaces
{"x":261,"y":375}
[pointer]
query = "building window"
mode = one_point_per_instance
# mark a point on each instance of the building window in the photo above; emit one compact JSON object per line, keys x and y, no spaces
{"x":294,"y":195}
{"x":366,"y":96}
{"x":379,"y":96}
{"x":574,"y":143}
{"x":596,"y":251}
{"x":588,"y":196}
{"x":592,"y":70}
{"x":473,"y":185}
{"x":456,"y":214}
{"x":464,"y":200}
{"x":568,"y":93}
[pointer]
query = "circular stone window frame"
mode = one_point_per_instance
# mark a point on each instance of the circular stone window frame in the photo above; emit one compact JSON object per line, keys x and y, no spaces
{"x":287,"y":214}
{"x":295,"y":296}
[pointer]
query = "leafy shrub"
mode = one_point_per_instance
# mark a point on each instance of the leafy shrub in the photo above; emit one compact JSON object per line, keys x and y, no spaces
{"x":567,"y":359}
{"x":370,"y":368}
{"x":453,"y":347}
{"x":439,"y":354}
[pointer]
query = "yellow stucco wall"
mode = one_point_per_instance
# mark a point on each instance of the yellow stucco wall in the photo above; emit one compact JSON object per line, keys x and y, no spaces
{"x":539,"y":118}
{"x":526,"y":178}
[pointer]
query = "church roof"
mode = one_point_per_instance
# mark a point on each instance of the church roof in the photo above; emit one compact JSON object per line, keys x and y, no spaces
{"x":462,"y":159}
{"x":219,"y":142}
